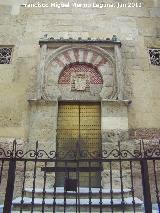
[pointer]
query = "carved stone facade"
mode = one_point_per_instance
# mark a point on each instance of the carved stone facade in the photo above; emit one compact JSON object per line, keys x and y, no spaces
{"x":125,"y":67}
{"x":83,"y":72}
{"x":86,"y":59}
{"x":116,"y":73}
{"x":133,"y":78}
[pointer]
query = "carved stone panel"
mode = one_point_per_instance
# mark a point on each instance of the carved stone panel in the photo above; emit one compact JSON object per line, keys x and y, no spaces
{"x":79,"y":82}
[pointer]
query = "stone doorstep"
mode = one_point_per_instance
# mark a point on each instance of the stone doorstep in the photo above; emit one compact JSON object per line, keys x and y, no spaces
{"x":82,"y":190}
{"x":72,"y":202}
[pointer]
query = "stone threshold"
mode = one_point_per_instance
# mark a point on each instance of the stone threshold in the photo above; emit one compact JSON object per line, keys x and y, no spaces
{"x":82,"y":190}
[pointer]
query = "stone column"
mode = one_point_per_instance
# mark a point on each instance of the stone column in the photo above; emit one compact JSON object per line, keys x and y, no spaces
{"x":41,"y":70}
{"x":119,"y":71}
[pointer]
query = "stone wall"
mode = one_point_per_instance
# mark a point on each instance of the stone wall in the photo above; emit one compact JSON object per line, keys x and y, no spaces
{"x":43,"y":124}
{"x":137,"y":29}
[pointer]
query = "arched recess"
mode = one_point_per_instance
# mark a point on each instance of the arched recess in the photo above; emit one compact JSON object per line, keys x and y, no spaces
{"x":88,"y":59}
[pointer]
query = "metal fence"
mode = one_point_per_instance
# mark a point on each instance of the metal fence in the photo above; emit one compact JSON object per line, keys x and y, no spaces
{"x":40,"y":181}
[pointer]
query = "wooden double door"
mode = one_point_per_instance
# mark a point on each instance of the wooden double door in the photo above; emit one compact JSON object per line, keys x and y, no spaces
{"x":79,"y":134}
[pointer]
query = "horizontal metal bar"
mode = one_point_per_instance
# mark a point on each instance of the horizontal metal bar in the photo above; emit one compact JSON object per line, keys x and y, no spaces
{"x":71,"y":169}
{"x":80,"y":160}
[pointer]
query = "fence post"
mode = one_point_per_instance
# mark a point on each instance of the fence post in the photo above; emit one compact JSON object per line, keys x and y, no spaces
{"x":146,"y":186}
{"x":10,"y":186}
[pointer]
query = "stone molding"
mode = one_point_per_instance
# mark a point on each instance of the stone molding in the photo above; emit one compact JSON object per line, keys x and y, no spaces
{"x":52,"y":40}
{"x":126,"y":102}
{"x":41,"y":101}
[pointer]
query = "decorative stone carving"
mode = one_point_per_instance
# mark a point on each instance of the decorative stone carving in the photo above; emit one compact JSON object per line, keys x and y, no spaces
{"x":80,"y":82}
{"x":81,"y":77}
{"x":96,"y":64}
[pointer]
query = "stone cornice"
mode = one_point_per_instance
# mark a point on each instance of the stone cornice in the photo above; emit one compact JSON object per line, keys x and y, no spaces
{"x":113,"y":41}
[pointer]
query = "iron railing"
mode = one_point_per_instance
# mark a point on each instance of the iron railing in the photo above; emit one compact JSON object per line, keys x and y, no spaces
{"x":121,"y":171}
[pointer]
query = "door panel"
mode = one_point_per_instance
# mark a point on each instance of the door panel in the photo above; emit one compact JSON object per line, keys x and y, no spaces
{"x":68,"y":126}
{"x":90,"y":127}
{"x":79,"y":123}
